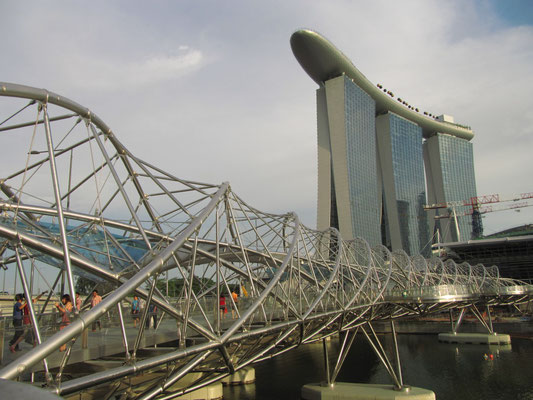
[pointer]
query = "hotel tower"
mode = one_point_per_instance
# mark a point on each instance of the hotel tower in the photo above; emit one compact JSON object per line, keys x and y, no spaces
{"x":380,"y":160}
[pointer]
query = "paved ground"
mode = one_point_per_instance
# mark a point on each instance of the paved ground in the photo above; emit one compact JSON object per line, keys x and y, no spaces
{"x":105,"y":342}
{"x":101,"y":343}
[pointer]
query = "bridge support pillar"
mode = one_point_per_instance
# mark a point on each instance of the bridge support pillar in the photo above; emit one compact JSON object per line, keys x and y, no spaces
{"x":211,"y":392}
{"x":489,"y":337}
{"x":359,"y":391}
{"x":475,"y":338}
{"x":85,"y":339}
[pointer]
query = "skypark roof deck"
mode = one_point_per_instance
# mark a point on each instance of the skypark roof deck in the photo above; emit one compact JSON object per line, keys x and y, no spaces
{"x":323,"y":61}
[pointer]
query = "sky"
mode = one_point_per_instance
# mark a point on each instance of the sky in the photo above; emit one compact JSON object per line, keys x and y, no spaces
{"x":210,"y":90}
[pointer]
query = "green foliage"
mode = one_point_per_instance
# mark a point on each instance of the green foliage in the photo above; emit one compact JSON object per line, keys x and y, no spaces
{"x":84,"y":286}
{"x":175,"y":286}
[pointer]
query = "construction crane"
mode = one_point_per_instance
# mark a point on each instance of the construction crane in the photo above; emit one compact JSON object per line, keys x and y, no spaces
{"x":487,"y":209}
{"x":477,"y":208}
{"x":479,"y":200}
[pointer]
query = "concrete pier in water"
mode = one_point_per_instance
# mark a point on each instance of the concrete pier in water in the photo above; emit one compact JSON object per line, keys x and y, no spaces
{"x":359,"y":391}
{"x":475,"y":338}
{"x":211,"y":392}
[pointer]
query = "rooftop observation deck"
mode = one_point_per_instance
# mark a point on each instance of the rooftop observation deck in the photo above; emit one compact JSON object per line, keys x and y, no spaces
{"x":323,"y":61}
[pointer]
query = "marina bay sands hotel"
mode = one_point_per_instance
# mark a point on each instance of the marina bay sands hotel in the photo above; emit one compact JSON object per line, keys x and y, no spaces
{"x":380,"y":159}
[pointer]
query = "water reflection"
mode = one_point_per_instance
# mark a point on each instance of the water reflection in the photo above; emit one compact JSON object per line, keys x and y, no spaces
{"x":451,"y":371}
{"x":240,"y":392}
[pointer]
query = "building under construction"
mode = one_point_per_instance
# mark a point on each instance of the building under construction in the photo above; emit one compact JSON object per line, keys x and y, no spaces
{"x":511,"y":250}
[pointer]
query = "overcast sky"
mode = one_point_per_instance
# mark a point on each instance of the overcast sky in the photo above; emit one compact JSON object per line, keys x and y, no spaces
{"x":210,"y":90}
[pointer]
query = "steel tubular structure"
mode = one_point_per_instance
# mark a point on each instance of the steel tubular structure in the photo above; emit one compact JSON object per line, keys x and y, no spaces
{"x":75,"y":199}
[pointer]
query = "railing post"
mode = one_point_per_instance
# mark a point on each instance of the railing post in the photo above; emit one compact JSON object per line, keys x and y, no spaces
{"x":397,"y":353}
{"x":85,"y":339}
{"x":491,"y":329}
{"x":459,"y":320}
{"x":2,"y":335}
{"x":326,"y":360}
{"x":143,"y":318}
{"x":451,"y":320}
{"x":123,"y":330}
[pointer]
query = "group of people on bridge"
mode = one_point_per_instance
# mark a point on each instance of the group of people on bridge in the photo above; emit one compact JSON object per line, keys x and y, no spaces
{"x":223,"y":305}
{"x":22,"y":323}
{"x":137,"y":306}
{"x":24,"y":330}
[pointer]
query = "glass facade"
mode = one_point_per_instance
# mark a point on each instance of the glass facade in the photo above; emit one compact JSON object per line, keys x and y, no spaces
{"x":409,"y":184}
{"x":361,"y":159}
{"x":384,"y":188}
{"x":459,"y":182}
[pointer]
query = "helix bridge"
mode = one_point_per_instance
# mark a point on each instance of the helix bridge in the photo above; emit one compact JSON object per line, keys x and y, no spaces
{"x":75,"y":200}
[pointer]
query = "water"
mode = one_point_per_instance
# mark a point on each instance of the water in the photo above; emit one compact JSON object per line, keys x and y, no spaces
{"x":451,"y":371}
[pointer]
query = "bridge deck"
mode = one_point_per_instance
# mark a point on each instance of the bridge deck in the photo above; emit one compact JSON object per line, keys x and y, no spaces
{"x":109,"y":342}
{"x":101,"y":343}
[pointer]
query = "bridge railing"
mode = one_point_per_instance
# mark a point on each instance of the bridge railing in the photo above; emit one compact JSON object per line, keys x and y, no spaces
{"x":433,"y":294}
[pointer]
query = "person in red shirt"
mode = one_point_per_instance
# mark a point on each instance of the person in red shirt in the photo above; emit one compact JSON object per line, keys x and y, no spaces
{"x":222,"y":306}
{"x":28,"y":334}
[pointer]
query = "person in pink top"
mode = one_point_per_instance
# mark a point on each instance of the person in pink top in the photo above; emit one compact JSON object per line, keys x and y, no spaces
{"x":78,"y":301}
{"x":94,"y":301}
{"x":65,"y":309}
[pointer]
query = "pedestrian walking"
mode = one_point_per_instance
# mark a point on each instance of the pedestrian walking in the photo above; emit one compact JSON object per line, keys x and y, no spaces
{"x":222,"y":306}
{"x":79,"y":302}
{"x":29,"y":334}
{"x":235,"y":298}
{"x":65,"y":309}
{"x":17,"y":324}
{"x":152,"y":315}
{"x":95,"y":300}
{"x":135,"y":310}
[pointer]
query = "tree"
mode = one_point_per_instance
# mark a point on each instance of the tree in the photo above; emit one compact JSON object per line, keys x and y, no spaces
{"x":175,"y":285}
{"x":85,"y":286}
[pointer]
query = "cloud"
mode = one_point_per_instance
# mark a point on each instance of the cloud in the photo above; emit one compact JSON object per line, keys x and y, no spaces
{"x":106,"y":74}
{"x":224,"y":99}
